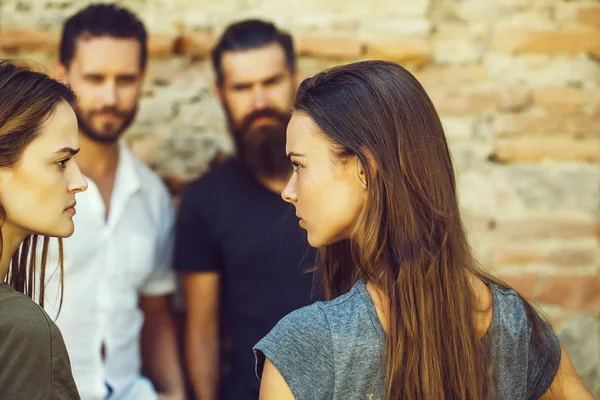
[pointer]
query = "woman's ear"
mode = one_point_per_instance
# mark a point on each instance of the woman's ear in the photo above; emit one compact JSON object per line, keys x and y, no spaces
{"x":362,"y":173}
{"x":362,"y":170}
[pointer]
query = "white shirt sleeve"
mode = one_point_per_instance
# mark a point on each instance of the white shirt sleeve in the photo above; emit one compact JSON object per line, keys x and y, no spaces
{"x":162,"y":279}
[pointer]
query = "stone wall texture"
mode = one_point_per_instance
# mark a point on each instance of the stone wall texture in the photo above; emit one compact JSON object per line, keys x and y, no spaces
{"x":517,"y":83}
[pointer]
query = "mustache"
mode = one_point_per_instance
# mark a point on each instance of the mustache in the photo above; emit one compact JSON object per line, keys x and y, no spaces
{"x":109,"y":110}
{"x":280,"y":118}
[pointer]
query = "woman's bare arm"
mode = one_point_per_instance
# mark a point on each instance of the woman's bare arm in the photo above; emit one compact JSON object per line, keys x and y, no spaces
{"x":567,"y":384}
{"x":273,"y":386}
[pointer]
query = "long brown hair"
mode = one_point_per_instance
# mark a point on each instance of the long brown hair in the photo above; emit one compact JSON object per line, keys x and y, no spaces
{"x":28,"y":99}
{"x":409,"y":240}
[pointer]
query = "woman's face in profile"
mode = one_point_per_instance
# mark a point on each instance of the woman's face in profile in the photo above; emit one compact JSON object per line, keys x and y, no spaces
{"x":328,"y":194}
{"x":38,"y":194}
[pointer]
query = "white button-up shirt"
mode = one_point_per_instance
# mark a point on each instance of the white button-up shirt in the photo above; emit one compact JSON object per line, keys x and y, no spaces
{"x":108,"y":263}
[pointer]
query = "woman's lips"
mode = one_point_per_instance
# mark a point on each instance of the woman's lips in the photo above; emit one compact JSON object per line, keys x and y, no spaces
{"x":71,"y":208}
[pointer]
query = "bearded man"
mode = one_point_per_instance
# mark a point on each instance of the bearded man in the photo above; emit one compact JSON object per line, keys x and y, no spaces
{"x":242,"y":257}
{"x":115,"y":316}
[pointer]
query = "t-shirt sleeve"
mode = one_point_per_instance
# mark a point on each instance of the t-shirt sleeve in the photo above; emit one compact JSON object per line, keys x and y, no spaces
{"x":300,"y":347}
{"x":161,"y":279}
{"x":35,"y":363}
{"x":196,"y":245}
{"x":543,"y":361}
{"x":63,"y":385}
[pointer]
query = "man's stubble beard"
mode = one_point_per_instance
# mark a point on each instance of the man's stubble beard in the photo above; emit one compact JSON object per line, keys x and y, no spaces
{"x":86,"y":128}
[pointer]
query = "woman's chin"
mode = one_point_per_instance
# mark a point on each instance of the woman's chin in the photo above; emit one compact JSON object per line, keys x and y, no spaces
{"x":311,"y":240}
{"x":317,"y":241}
{"x":65,"y":230}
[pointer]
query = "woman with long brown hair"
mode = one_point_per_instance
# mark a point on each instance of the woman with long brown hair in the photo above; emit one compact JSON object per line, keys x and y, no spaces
{"x":411,"y":314}
{"x":38,"y":182}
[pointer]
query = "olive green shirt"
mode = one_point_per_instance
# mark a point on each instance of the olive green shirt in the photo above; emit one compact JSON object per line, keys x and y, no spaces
{"x":34,"y":363}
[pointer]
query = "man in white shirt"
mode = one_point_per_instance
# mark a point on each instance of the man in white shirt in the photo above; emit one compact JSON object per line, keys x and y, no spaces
{"x":115,"y":316}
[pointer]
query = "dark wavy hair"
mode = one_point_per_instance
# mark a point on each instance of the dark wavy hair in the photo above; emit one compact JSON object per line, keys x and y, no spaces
{"x":102,"y":20}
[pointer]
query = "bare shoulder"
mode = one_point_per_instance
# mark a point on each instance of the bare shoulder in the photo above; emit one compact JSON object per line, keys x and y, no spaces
{"x":484,"y":305}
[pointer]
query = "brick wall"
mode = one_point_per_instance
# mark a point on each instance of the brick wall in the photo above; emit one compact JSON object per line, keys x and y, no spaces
{"x":515,"y":81}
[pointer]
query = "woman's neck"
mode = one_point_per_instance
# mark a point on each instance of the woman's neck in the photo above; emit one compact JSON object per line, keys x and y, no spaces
{"x":11,"y":240}
{"x":381,"y":303}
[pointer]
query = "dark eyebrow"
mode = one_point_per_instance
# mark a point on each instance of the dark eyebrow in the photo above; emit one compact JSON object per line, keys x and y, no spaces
{"x":273,"y":78}
{"x":294,"y":154}
{"x":246,"y":85}
{"x":127,"y":76}
{"x":67,"y":150}
{"x":93,"y":75}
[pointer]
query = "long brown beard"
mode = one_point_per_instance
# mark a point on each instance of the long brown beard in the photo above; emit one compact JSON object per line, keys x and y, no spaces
{"x":262,"y":148}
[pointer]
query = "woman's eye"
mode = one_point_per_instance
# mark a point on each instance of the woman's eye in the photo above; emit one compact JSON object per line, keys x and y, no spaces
{"x":62,"y":163}
{"x":296,"y":166}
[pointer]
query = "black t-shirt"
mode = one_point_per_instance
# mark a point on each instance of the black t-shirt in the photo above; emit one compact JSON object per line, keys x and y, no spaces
{"x":34,"y":363}
{"x":231,"y":224}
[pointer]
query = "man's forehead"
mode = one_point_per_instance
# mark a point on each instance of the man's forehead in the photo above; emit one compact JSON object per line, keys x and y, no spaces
{"x":93,"y":52}
{"x":254,"y":64}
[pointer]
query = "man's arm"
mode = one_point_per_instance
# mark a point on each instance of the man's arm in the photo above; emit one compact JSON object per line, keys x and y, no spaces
{"x":202,"y":347}
{"x":160,"y":354}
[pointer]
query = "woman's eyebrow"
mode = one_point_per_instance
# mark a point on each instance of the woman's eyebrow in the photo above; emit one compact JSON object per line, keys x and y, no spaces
{"x":67,"y":150}
{"x":294,"y":154}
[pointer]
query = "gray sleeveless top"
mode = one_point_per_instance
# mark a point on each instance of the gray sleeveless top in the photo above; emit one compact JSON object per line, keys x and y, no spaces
{"x":333,"y":350}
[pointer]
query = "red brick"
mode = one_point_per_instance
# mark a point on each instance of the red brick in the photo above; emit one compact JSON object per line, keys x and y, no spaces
{"x":329,"y":45}
{"x":526,"y":284}
{"x":581,"y":293}
{"x":589,"y":16}
{"x":399,"y":50}
{"x":432,"y":77}
{"x":546,"y":227}
{"x":29,"y":39}
{"x":34,"y":39}
{"x":573,"y":258}
{"x":43,"y":66}
{"x":564,"y":101}
{"x":458,"y":101}
{"x":517,"y":254}
{"x":534,"y":150}
{"x":567,"y":41}
{"x":475,"y":224}
{"x":547,"y":126}
{"x":161,"y":45}
{"x":509,"y":255}
{"x":199,"y":44}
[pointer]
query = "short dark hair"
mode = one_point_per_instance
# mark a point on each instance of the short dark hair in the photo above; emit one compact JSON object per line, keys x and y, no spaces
{"x":102,"y":20}
{"x":252,"y":34}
